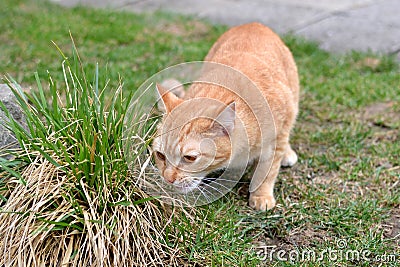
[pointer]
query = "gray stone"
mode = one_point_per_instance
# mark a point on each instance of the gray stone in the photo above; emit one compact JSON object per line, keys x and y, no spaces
{"x":340,"y":33}
{"x":276,"y":14}
{"x":7,"y":138}
{"x":375,"y":28}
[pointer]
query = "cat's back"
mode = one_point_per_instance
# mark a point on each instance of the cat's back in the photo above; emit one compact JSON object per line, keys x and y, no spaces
{"x":250,"y":38}
{"x":255,"y":49}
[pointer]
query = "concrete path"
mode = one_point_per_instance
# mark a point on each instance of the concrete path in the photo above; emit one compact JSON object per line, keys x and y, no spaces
{"x":338,"y":25}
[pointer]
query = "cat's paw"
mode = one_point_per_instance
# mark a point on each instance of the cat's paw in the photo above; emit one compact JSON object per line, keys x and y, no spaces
{"x":289,"y":159}
{"x":262,"y":203}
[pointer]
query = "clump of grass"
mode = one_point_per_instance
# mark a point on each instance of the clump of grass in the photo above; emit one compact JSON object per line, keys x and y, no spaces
{"x":67,"y":197}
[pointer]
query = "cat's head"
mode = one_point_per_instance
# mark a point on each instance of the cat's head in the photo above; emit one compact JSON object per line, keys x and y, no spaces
{"x":193,"y":139}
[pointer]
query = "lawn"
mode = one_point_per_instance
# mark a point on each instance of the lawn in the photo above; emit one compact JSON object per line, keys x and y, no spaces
{"x":343,"y":195}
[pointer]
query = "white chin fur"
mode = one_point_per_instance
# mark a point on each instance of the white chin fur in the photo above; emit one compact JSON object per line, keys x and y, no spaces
{"x":186,"y":187}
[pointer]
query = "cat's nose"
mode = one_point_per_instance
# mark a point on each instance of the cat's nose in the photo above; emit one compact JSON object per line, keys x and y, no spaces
{"x":170,"y":176}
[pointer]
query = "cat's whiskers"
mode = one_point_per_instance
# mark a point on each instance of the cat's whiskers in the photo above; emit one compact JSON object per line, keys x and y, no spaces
{"x":213,"y":180}
{"x":188,"y":177}
{"x":221,"y":183}
{"x":204,"y":193}
{"x":209,"y":193}
{"x":214,"y":188}
{"x":220,"y":179}
{"x":210,"y":185}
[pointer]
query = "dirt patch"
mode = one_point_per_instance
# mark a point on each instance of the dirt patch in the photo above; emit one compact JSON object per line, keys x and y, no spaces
{"x":308,"y":237}
{"x":377,"y":109}
{"x":384,"y":120}
{"x":382,"y":114}
{"x":391,"y":227}
{"x":368,"y":62}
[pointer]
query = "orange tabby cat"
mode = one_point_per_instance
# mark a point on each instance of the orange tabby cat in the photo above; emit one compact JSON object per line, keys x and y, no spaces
{"x":185,"y":152}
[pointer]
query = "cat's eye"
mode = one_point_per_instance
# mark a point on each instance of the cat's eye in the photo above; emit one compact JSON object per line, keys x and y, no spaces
{"x":189,"y":158}
{"x":160,"y":155}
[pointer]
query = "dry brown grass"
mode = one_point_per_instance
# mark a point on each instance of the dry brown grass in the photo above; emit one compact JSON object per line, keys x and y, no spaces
{"x":122,"y":235}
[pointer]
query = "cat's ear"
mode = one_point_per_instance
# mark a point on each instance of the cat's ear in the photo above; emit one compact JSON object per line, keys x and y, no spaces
{"x":226,"y":119}
{"x":168,"y":100}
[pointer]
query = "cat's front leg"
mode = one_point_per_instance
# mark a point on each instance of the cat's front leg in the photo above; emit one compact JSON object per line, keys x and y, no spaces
{"x":261,"y":202}
{"x":263,"y":197}
{"x":263,"y":181}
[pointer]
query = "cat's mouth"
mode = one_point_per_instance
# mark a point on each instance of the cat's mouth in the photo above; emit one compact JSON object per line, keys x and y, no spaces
{"x":212,"y":176}
{"x":189,"y":185}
